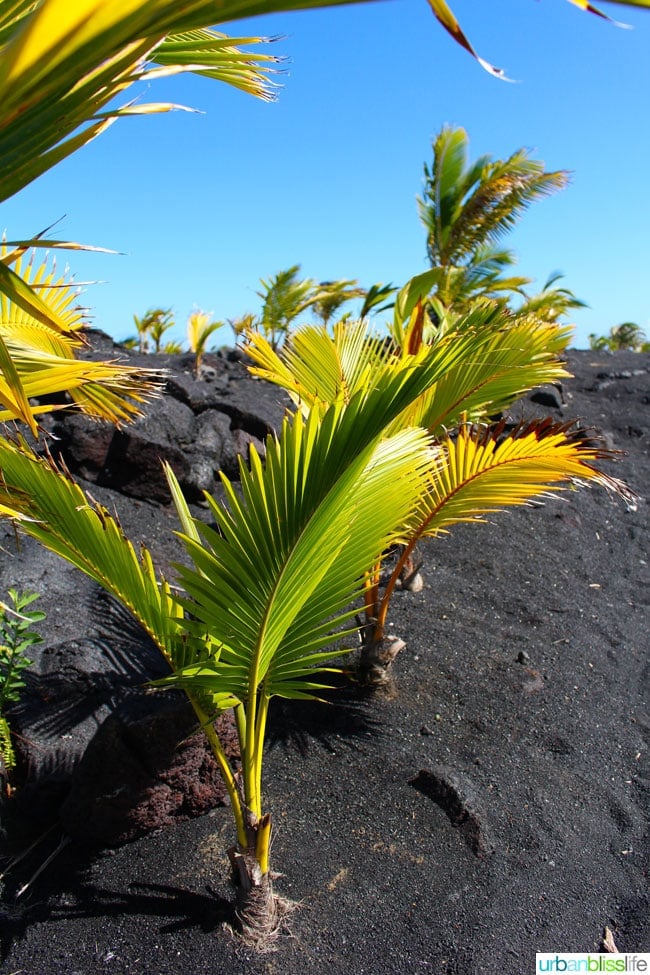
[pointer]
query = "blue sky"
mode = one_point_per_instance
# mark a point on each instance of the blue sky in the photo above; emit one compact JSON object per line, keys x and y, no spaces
{"x":201,"y":206}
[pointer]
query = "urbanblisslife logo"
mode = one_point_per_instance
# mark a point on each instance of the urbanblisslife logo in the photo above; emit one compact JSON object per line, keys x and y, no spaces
{"x":591,"y":962}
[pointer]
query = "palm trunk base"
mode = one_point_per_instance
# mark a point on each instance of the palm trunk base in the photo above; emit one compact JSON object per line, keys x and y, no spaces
{"x":410,"y":578}
{"x":411,"y":582}
{"x":261,"y":913}
{"x":376,"y":662}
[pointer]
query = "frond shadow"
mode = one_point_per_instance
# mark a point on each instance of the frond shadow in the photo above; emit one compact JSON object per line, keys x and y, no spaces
{"x":66,"y":894}
{"x":88,"y":678}
{"x":184,"y":908}
{"x":341,"y":717}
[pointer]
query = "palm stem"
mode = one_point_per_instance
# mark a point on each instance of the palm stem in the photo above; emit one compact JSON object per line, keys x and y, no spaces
{"x":263,"y":844}
{"x":371,"y":591}
{"x":240,"y":722}
{"x":259,"y":734}
{"x":248,"y":756}
{"x":226,"y":772}
{"x":382,"y":612}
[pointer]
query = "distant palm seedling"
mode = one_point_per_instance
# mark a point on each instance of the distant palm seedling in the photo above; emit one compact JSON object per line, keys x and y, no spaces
{"x":625,"y":337}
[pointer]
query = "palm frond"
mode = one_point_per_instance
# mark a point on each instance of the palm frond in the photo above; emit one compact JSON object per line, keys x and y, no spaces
{"x":220,"y":57}
{"x":317,"y":368}
{"x":277,"y":579}
{"x":486,"y":469}
{"x":497,"y":202}
{"x":467,"y":207}
{"x":16,"y":290}
{"x":500,"y":364}
{"x":445,"y":16}
{"x":57,"y":513}
{"x":484,"y":361}
{"x":62,"y":64}
{"x":42,"y":358}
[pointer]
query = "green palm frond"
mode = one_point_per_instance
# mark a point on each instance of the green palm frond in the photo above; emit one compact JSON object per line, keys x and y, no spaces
{"x":277,"y":579}
{"x":496,"y":203}
{"x":378,"y":298}
{"x":62,"y":64}
{"x":468,"y":206}
{"x":484,"y":361}
{"x":501,"y":365}
{"x":552,"y":302}
{"x":57,"y":513}
{"x":220,"y":57}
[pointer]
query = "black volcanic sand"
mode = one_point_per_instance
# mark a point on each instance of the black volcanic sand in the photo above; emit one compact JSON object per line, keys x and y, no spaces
{"x":495,"y":806}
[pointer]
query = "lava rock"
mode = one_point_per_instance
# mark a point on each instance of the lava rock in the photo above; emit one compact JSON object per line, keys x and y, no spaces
{"x":148,"y":767}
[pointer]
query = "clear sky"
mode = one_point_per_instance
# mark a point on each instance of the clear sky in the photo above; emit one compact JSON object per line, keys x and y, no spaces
{"x":201,"y":206}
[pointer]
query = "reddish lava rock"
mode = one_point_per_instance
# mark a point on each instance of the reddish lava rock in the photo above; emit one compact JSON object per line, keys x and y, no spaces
{"x":147,"y":767}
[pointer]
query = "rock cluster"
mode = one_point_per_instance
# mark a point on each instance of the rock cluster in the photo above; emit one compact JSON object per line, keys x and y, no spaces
{"x":199,"y":425}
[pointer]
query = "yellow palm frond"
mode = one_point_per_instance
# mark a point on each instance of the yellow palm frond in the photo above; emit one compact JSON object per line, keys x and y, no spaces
{"x":486,"y":360}
{"x":56,"y":291}
{"x":38,"y":359}
{"x":316,"y":368}
{"x":444,"y":15}
{"x":486,"y":469}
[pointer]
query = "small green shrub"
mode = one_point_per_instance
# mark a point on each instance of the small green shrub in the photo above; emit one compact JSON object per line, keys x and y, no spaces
{"x":16,"y":638}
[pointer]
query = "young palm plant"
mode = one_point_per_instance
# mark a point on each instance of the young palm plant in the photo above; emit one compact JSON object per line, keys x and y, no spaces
{"x":285,"y":296}
{"x":151,"y":328}
{"x":467,"y":208}
{"x":199,"y":329}
{"x":480,"y":467}
{"x":269,"y":587}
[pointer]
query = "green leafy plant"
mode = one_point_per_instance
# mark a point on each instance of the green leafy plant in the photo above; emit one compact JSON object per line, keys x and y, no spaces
{"x":270,"y":586}
{"x":627,"y":336}
{"x":16,"y":637}
{"x":480,"y":467}
{"x":467,"y":208}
